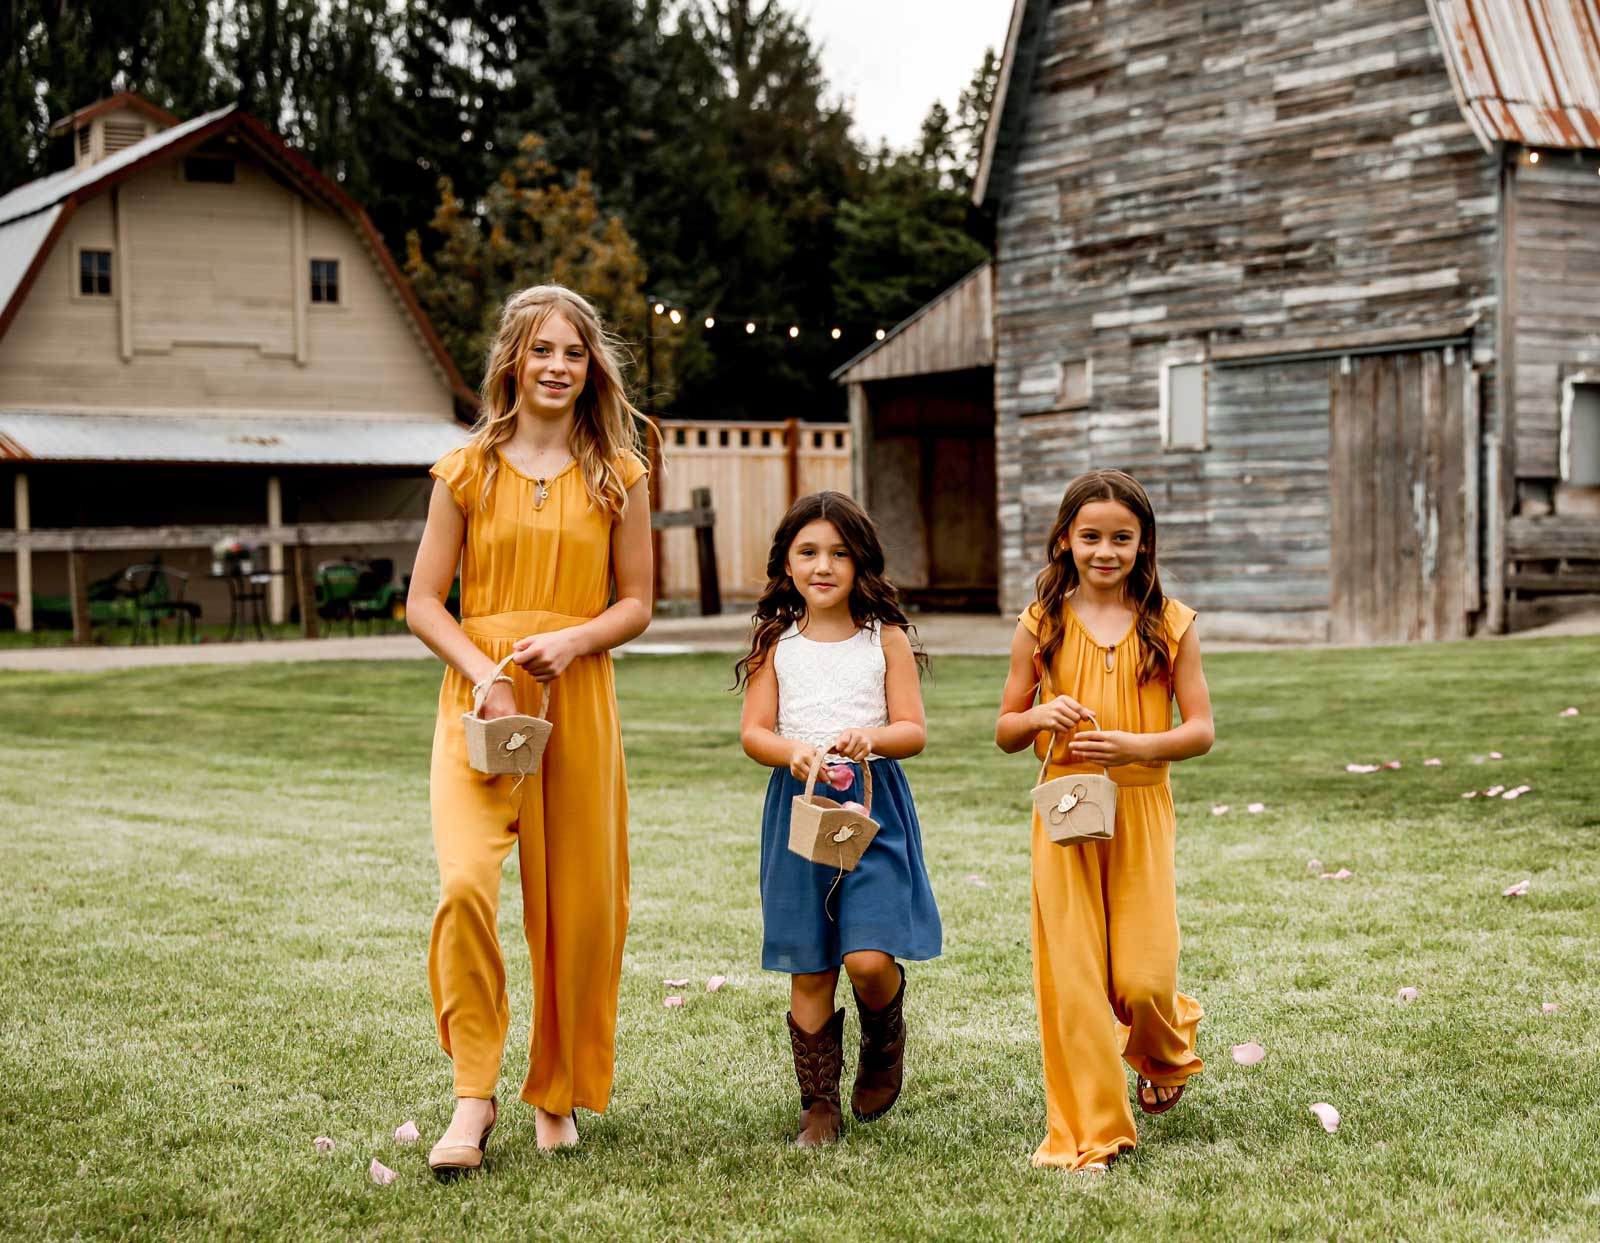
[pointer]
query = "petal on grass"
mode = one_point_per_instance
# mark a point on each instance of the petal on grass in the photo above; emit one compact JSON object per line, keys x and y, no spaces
{"x":407,"y":1133}
{"x":1219,"y":809}
{"x":1519,"y":890}
{"x":1313,"y":865}
{"x":672,"y":1002}
{"x":1493,"y":791}
{"x":676,"y":983}
{"x":1256,"y":807}
{"x":322,"y":1144}
{"x":1408,"y":995}
{"x":1327,"y":1115}
{"x":715,"y":982}
{"x":1470,"y":794}
{"x":381,"y":1173}
{"x":1495,"y":755}
{"x":1550,"y":1007}
{"x":1433,"y":762}
{"x":1248,"y":1054}
{"x":1391,"y":763}
{"x":1361,"y":768}
{"x":973,"y":878}
{"x":1569,"y":712}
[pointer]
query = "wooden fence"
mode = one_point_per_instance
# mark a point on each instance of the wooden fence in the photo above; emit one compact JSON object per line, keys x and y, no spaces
{"x":754,"y":471}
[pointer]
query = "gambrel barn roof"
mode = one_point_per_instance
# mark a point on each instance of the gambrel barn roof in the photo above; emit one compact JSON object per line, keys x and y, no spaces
{"x":33,"y":216}
{"x":1524,"y":71}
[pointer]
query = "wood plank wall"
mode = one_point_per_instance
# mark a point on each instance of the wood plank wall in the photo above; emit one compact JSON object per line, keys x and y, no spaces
{"x":952,"y":333}
{"x":1193,"y":175}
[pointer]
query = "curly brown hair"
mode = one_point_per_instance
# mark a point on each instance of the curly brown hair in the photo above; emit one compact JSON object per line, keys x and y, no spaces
{"x":1059,"y":578}
{"x":873,"y":598}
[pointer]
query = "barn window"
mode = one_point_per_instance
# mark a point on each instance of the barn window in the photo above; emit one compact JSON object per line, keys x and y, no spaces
{"x":1580,"y":435}
{"x":1183,"y":405}
{"x":210,"y":168}
{"x":1076,"y":383}
{"x":94,"y":273}
{"x":325,"y":280}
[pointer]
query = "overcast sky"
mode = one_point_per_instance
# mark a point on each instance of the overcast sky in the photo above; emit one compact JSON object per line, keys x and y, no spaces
{"x":893,"y":58}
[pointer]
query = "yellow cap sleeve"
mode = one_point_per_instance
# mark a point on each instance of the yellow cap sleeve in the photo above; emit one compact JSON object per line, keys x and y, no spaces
{"x":456,"y":471}
{"x":1029,"y":617}
{"x":632,"y":469}
{"x":1178,"y":618}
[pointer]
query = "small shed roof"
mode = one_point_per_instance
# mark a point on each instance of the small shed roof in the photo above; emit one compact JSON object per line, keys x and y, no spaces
{"x":1526,"y":71}
{"x":953,"y":332}
{"x":122,"y":99}
{"x":139,"y":436}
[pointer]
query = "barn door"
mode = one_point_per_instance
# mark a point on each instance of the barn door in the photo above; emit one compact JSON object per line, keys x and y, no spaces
{"x":1401,"y":497}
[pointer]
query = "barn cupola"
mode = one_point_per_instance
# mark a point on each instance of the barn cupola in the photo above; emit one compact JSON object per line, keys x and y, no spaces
{"x":108,"y":126}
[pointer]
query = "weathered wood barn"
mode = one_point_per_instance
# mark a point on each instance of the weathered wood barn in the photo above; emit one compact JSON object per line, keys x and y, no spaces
{"x":1326,"y":278}
{"x":197,"y":327}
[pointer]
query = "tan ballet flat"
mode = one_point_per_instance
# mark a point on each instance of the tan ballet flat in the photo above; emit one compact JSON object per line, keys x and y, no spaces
{"x":447,"y":1159}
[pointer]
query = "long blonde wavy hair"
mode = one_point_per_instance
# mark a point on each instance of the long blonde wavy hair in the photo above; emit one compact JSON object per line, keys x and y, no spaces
{"x":606,"y":423}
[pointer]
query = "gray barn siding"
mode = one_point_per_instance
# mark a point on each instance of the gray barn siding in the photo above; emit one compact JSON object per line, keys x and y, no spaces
{"x":1194,"y":175}
{"x":1555,"y":309}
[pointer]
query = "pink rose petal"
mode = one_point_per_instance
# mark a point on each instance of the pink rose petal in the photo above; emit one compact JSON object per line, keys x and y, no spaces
{"x":407,"y":1133}
{"x":973,"y":878}
{"x":1255,"y":807}
{"x":1391,"y":764}
{"x":1341,"y":874}
{"x":676,"y":983}
{"x":1327,"y":1115}
{"x":840,"y":777}
{"x":715,"y":982}
{"x":1511,"y":794}
{"x":1470,"y":794}
{"x":1361,"y":768}
{"x":1550,"y":1007}
{"x":670,"y":1002}
{"x":1435,"y":762}
{"x":1219,"y":809}
{"x":1248,"y":1054}
{"x":1493,"y":791}
{"x":1569,"y":712}
{"x":1313,"y":865}
{"x":855,"y":807}
{"x":1519,"y":890}
{"x":1495,"y":755}
{"x":381,"y":1173}
{"x":322,"y":1144}
{"x":1408,"y":995}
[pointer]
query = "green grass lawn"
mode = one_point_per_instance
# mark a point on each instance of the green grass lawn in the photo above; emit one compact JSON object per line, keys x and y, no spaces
{"x":218,"y":883}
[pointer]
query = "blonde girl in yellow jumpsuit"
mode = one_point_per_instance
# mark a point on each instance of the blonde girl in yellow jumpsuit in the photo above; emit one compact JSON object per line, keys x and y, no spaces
{"x":1106,"y":653}
{"x":546,"y":511}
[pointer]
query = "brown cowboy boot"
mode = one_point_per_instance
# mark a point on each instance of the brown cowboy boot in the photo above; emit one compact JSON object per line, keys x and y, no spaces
{"x":818,"y":1059}
{"x":881,"y":1067}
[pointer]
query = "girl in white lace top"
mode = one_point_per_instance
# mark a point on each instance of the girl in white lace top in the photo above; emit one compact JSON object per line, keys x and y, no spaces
{"x":831,"y":669}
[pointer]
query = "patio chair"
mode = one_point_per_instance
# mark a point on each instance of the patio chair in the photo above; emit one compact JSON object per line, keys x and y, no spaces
{"x":156,"y":594}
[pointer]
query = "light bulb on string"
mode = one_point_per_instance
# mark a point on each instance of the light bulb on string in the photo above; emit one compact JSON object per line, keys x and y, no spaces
{"x":750,"y":328}
{"x":711,"y":321}
{"x":794,"y":331}
{"x":675,"y":315}
{"x":836,"y":334}
{"x":661,"y":308}
{"x":881,"y":334}
{"x":1533,"y":157}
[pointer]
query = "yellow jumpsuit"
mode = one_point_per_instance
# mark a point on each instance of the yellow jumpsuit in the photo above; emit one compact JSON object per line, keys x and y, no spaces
{"x":531,"y":571}
{"x":1105,"y":918}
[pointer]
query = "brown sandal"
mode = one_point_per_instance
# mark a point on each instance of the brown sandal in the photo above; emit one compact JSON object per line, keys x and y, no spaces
{"x":446,"y":1160}
{"x":1160,"y":1107}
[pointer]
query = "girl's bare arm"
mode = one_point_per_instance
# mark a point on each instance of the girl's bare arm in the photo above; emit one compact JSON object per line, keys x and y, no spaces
{"x":758,"y":725}
{"x":907,"y":732}
{"x":1193,"y":737}
{"x":1021,"y":720}
{"x":437,"y":558}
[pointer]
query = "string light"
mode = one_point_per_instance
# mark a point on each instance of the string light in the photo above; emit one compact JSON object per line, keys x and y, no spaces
{"x":1533,"y":157}
{"x":661,"y":308}
{"x":794,"y":331}
{"x":836,"y":334}
{"x":749,"y":327}
{"x":675,"y":315}
{"x":711,"y":321}
{"x":680,"y":315}
{"x":881,"y":334}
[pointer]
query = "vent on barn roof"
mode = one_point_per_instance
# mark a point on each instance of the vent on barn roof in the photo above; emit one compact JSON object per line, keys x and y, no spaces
{"x":120,"y":134}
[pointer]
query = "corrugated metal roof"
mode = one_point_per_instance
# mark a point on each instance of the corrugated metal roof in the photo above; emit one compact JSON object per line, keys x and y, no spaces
{"x":1527,"y":71}
{"x":48,"y":191}
{"x":19,"y":243}
{"x":48,"y":436}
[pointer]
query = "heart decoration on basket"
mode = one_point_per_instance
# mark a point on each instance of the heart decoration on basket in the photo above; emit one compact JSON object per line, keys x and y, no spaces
{"x":506,"y":744}
{"x":1079,"y":807}
{"x":827,"y":832}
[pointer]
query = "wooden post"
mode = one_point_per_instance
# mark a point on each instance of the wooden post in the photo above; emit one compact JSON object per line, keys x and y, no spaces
{"x":860,"y":442}
{"x":705,"y":541}
{"x":305,"y":591}
{"x":275,"y":550}
{"x":77,"y":574}
{"x":24,"y":557}
{"x":791,"y":444}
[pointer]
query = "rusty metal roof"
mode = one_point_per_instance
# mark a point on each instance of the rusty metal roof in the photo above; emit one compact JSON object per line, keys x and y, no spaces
{"x":1526,"y":71}
{"x":52,"y":436}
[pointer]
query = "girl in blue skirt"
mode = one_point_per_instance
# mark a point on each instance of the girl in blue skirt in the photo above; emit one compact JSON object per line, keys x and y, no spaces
{"x":831,"y":670}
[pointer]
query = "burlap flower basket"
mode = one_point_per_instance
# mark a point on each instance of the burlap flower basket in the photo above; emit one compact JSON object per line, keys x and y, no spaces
{"x":507,"y":744}
{"x":1080,"y":807}
{"x":827,"y":832}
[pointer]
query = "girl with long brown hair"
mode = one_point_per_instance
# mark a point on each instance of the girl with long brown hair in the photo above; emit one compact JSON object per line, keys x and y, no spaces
{"x":547,"y":513}
{"x":831,"y":683}
{"x":1102,"y":646}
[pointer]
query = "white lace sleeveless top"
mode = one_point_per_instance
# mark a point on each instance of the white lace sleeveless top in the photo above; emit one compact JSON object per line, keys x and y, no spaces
{"x":824,"y":688}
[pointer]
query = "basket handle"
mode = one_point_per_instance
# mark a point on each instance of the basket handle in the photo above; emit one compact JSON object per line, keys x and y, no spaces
{"x":480,"y":692}
{"x":1054,"y":734}
{"x":816,"y":768}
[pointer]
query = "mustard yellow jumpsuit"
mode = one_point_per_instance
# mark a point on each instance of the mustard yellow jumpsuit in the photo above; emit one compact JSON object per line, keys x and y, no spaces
{"x":1105,"y":916}
{"x":531,"y":571}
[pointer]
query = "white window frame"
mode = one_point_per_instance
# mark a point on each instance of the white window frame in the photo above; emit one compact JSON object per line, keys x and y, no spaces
{"x":339,"y":283}
{"x":1189,"y":360}
{"x":98,"y":299}
{"x":1063,"y":402}
{"x":1569,"y":397}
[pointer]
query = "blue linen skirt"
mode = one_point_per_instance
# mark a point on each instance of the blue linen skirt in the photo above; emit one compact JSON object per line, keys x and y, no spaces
{"x":885,"y":904}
